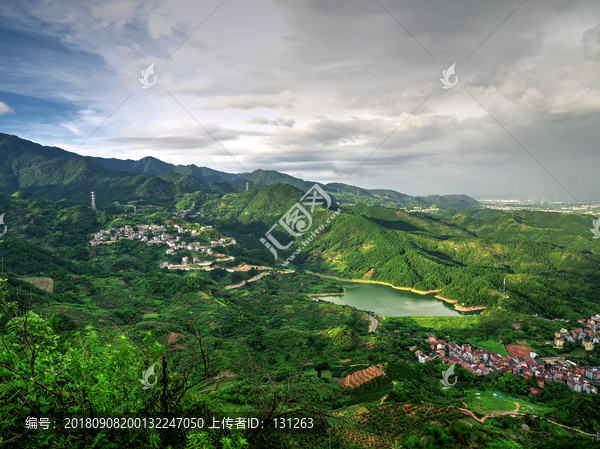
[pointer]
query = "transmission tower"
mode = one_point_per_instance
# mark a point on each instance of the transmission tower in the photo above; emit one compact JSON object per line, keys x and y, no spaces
{"x":93,"y":201}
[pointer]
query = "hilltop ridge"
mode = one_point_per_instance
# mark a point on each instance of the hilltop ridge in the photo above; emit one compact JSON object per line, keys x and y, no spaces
{"x":59,"y":174}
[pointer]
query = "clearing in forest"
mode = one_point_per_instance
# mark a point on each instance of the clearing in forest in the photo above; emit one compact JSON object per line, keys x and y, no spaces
{"x":46,"y":284}
{"x":518,"y":350}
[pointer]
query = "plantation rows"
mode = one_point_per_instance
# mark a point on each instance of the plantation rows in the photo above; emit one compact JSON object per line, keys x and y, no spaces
{"x":371,"y":391}
{"x":401,"y":370}
{"x":401,"y":420}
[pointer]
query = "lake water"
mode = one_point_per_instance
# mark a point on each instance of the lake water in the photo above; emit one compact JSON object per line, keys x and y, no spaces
{"x":385,"y":300}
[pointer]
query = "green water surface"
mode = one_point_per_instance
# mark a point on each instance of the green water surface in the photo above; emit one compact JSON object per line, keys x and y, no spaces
{"x":385,"y":300}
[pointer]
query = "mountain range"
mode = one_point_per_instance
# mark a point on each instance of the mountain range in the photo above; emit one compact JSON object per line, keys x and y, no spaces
{"x":58,"y":174}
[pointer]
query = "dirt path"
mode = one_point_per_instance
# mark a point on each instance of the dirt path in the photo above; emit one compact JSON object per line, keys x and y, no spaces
{"x":471,"y":413}
{"x":514,"y":412}
{"x":570,"y":428}
{"x":255,"y":278}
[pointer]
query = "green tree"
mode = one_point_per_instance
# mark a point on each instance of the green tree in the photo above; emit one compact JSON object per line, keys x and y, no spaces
{"x":343,"y":337}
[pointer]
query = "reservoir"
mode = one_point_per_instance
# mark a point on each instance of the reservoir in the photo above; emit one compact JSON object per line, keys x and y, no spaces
{"x":385,"y":300}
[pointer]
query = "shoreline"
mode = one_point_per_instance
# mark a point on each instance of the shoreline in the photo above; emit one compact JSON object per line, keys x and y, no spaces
{"x":460,"y":308}
{"x":328,"y":294}
{"x":420,"y":292}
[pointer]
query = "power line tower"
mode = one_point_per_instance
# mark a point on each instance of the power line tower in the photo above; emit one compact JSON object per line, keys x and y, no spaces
{"x":246,"y":187}
{"x":93,"y":201}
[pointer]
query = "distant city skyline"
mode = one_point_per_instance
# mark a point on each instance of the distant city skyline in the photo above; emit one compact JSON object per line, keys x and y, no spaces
{"x":485,"y":99}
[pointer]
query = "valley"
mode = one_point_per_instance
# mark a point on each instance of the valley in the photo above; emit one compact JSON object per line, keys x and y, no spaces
{"x":91,"y":299}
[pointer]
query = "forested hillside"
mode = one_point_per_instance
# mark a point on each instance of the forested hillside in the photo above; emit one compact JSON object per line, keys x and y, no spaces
{"x":58,"y":174}
{"x":549,"y":259}
{"x":81,"y":324}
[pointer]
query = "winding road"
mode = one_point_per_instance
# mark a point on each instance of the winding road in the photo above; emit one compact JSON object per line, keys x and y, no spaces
{"x":373,"y":323}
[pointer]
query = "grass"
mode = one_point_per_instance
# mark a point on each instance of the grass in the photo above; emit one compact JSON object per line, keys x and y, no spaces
{"x":46,"y":284}
{"x":490,"y":404}
{"x":492,"y":346}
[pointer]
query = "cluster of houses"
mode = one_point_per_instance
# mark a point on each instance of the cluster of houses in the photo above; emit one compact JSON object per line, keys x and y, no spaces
{"x":155,"y":234}
{"x":546,"y":370}
{"x":125,"y":232}
{"x":181,"y":214}
{"x":589,"y":337}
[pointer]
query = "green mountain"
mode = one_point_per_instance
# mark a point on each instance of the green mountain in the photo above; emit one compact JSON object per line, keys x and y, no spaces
{"x":269,"y":177}
{"x":152,"y":166}
{"x":146,"y":166}
{"x":451,"y":201}
{"x":58,"y":174}
{"x":205,"y":173}
{"x":549,"y":260}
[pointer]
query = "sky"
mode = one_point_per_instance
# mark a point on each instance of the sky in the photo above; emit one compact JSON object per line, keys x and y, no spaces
{"x":348,"y":91}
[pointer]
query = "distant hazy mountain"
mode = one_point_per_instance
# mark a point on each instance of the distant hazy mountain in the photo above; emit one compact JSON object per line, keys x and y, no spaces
{"x":56,"y":174}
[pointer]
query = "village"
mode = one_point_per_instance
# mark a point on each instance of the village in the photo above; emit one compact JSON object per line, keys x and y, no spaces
{"x":155,"y":234}
{"x":546,"y":369}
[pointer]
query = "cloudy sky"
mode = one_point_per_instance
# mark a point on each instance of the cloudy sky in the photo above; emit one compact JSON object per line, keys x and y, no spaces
{"x":327,"y":90}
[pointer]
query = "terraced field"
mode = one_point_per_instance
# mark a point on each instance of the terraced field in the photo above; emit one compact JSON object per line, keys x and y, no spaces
{"x":360,"y":377}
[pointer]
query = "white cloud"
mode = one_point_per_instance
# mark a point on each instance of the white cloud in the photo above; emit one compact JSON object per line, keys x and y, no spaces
{"x":279,"y":121}
{"x":5,"y":109}
{"x":350,"y":74}
{"x":284,"y":99}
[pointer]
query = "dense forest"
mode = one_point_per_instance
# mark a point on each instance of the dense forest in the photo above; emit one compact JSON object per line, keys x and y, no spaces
{"x":82,"y":325}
